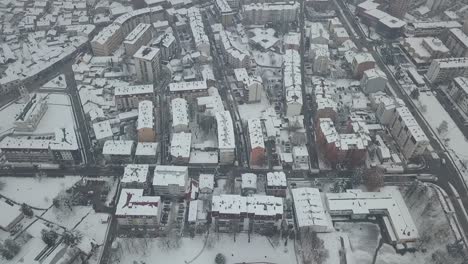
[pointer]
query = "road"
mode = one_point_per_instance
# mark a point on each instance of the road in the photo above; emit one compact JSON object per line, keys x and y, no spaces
{"x":445,"y":173}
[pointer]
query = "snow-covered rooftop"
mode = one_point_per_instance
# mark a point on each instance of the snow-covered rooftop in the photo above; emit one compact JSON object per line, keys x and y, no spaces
{"x":102,"y":130}
{"x":10,"y":212}
{"x":145,"y":114}
{"x":133,"y":203}
{"x":118,"y":147}
{"x":136,"y":33}
{"x":181,"y":145}
{"x":249,"y":180}
{"x":206,"y":181}
{"x":170,"y":175}
{"x":226,"y":139}
{"x":309,"y":209}
{"x":146,"y":149}
{"x":276,"y":179}
{"x":188,"y":86}
{"x":147,"y":53}
{"x":134,"y":89}
{"x":135,"y":173}
{"x":256,"y":133}
{"x":258,"y":205}
{"x":179,"y":112}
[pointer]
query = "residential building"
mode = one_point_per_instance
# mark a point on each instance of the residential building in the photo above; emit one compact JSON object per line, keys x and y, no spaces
{"x":118,"y":151}
{"x":181,"y":144}
{"x":11,"y":215}
{"x":276,"y":184}
{"x":301,"y":157}
{"x":107,"y":40}
{"x":257,"y":145}
{"x":146,"y":153}
{"x":309,"y":210}
{"x":205,"y":186}
{"x":197,"y":213}
{"x":102,"y":131}
{"x":399,"y":8}
{"x":248,"y":184}
{"x":442,"y":70}
{"x":320,"y":56}
{"x":423,"y":50}
{"x":135,"y":176}
{"x":180,"y":116}
{"x":339,"y":35}
{"x":292,"y":82}
{"x":225,"y":12}
{"x":168,"y":46}
{"x":226,"y":138}
{"x":139,"y":36}
{"x":137,"y":213}
{"x":234,"y":56}
{"x":147,"y":64}
{"x":200,"y":39}
{"x":430,"y":28}
{"x":31,"y":114}
{"x":361,"y":63}
{"x":457,"y":42}
{"x":235,"y":213}
{"x":435,"y":5}
{"x":129,"y":97}
{"x":318,"y":34}
{"x":252,"y":86}
{"x":170,"y":180}
{"x":188,"y":89}
{"x":373,"y":80}
{"x":458,"y":90}
{"x":145,"y":127}
{"x":262,"y":13}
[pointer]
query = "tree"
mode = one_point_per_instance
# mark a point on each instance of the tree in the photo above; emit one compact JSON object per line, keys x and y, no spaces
{"x":314,"y":251}
{"x":415,"y":93}
{"x":10,"y":249}
{"x":220,"y":259}
{"x":374,"y":178}
{"x":442,"y":128}
{"x":27,"y":211}
{"x":49,"y":237}
{"x":72,"y":238}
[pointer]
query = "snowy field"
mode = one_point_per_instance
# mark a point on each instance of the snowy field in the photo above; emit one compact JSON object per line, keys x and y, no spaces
{"x":59,"y":114}
{"x":7,"y":115}
{"x":253,"y":110}
{"x":259,"y":250}
{"x":37,"y":192}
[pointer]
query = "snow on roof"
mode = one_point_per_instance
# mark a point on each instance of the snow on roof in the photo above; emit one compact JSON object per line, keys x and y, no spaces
{"x":135,"y":173}
{"x":179,"y":112}
{"x":223,"y":6}
{"x":134,"y":89}
{"x":145,"y":114}
{"x":392,"y":22}
{"x":340,"y":32}
{"x":276,"y":178}
{"x":328,"y":129}
{"x":102,"y":130}
{"x":292,"y":38}
{"x":261,"y":205}
{"x":320,"y":50}
{"x":300,"y":151}
{"x":65,"y":139}
{"x":181,"y":144}
{"x":136,"y":33}
{"x":368,"y":5}
{"x":389,"y":200}
{"x":106,"y":33}
{"x":133,"y":203}
{"x":449,"y":63}
{"x":460,"y":36}
{"x":375,"y":73}
{"x":435,"y":24}
{"x":118,"y":147}
{"x":196,"y":211}
{"x":249,"y":180}
{"x":149,"y":10}
{"x":309,"y":208}
{"x":265,"y":37}
{"x":188,"y":86}
{"x":271,"y":6}
{"x":146,"y":53}
{"x":146,"y":149}
{"x":196,"y":24}
{"x":256,"y":133}
{"x":10,"y":212}
{"x":462,"y":83}
{"x":206,"y":181}
{"x":165,"y":175}
{"x":363,"y":57}
{"x":226,"y":139}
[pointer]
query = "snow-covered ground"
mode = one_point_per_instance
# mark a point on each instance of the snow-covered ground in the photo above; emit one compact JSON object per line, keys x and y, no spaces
{"x":38,"y":191}
{"x":56,"y":83}
{"x":259,"y":250}
{"x":59,"y":114}
{"x":7,"y":115}
{"x":253,"y":110}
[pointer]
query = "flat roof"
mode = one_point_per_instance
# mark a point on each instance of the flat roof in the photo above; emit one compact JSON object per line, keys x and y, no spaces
{"x":133,"y":203}
{"x":276,"y":178}
{"x":165,"y":175}
{"x":460,"y":36}
{"x":10,"y":212}
{"x":309,"y":209}
{"x":226,"y":139}
{"x":133,"y":89}
{"x":118,"y":147}
{"x":206,"y":181}
{"x":256,"y":133}
{"x":136,"y":33}
{"x":259,"y":205}
{"x":179,"y":109}
{"x":146,"y":53}
{"x":249,"y":180}
{"x":145,"y":114}
{"x":146,"y":149}
{"x":181,"y":144}
{"x":135,"y":173}
{"x":102,"y":130}
{"x":188,"y":86}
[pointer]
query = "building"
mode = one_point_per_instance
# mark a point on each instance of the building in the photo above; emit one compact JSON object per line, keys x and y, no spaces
{"x":170,"y":180}
{"x":257,"y":145}
{"x":188,"y":89}
{"x":373,"y":81}
{"x":61,"y":147}
{"x":135,"y":176}
{"x":399,"y":8}
{"x":252,"y":86}
{"x":225,"y":12}
{"x":102,"y":131}
{"x":180,"y":116}
{"x":140,"y":36}
{"x":145,"y":127}
{"x":385,"y":109}
{"x":248,"y":184}
{"x":339,"y":35}
{"x":442,"y":70}
{"x":118,"y":151}
{"x":435,"y":5}
{"x":391,"y":27}
{"x":320,"y":56}
{"x":361,"y":63}
{"x":407,"y":133}
{"x":301,"y":157}
{"x":181,"y":144}
{"x":388,"y":204}
{"x":234,"y":56}
{"x":226,"y":138}
{"x":107,"y":40}
{"x":318,"y":34}
{"x":147,"y":64}
{"x":253,"y":214}
{"x":11,"y":215}
{"x":200,"y":39}
{"x":31,"y":114}
{"x":197,"y":213}
{"x":168,"y":46}
{"x":146,"y":153}
{"x":310,"y":211}
{"x":458,"y":90}
{"x":292,"y":82}
{"x":457,"y":42}
{"x":435,"y":28}
{"x":129,"y":97}
{"x":423,"y":50}
{"x":276,"y":184}
{"x":262,"y":13}
{"x":205,"y":186}
{"x":137,"y":213}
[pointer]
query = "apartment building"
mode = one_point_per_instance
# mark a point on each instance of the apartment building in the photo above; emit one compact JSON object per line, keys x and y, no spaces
{"x":458,"y":90}
{"x":226,"y":137}
{"x":129,"y":97}
{"x":276,"y":184}
{"x":443,"y":70}
{"x":457,"y":42}
{"x":139,"y":36}
{"x":135,"y":176}
{"x":262,"y":13}
{"x":171,"y":181}
{"x":145,"y":124}
{"x":147,"y":64}
{"x":257,"y":144}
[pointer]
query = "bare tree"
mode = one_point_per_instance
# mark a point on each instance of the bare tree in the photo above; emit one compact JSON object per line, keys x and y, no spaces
{"x":313,"y":248}
{"x":442,"y":128}
{"x":374,"y":178}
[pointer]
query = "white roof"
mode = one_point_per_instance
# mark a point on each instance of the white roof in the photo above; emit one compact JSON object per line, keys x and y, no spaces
{"x":146,"y":53}
{"x":179,"y":112}
{"x":181,"y":144}
{"x":226,"y":139}
{"x":133,"y":203}
{"x":134,"y":89}
{"x":63,"y":139}
{"x":256,"y":133}
{"x":148,"y":10}
{"x":449,"y":63}
{"x":363,"y":57}
{"x":300,"y":151}
{"x":135,"y":173}
{"x":276,"y":178}
{"x":102,"y":130}
{"x":197,"y":27}
{"x":261,"y":205}
{"x":309,"y":208}
{"x":136,"y":33}
{"x":146,"y":149}
{"x":103,"y":36}
{"x":118,"y":147}
{"x":145,"y":114}
{"x":271,"y":6}
{"x":9,"y":213}
{"x":375,"y":73}
{"x":187,"y":86}
{"x":196,"y":211}
{"x":170,"y":175}
{"x":390,"y":200}
{"x":206,"y":181}
{"x":223,"y":6}
{"x":392,"y":22}
{"x":249,"y":180}
{"x":328,"y":129}
{"x":462,"y":37}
